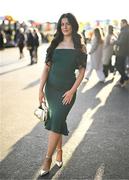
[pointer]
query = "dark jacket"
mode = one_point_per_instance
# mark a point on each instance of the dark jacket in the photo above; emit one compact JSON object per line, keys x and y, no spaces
{"x":21,"y":40}
{"x":1,"y":41}
{"x":30,"y":40}
{"x":36,"y":40}
{"x":123,"y":42}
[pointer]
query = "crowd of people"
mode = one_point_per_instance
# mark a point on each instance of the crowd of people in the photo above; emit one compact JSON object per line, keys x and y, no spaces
{"x":31,"y":40}
{"x":104,"y":44}
{"x":103,"y":47}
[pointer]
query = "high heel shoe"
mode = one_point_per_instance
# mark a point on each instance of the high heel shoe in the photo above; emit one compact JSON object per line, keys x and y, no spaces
{"x":47,"y":163}
{"x":59,"y":163}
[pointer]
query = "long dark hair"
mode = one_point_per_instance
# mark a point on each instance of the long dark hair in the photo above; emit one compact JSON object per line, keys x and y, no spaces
{"x":58,"y":37}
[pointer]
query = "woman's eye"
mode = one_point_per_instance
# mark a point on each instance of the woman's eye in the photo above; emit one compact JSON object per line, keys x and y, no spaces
{"x":66,"y":24}
{"x":62,"y":24}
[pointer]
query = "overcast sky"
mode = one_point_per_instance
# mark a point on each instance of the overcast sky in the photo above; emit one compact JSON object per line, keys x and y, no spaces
{"x":50,"y":10}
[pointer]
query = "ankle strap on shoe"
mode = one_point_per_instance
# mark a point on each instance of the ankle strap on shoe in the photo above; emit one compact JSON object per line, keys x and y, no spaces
{"x":48,"y":157}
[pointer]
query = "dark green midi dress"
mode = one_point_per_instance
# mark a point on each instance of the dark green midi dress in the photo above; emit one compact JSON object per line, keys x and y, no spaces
{"x":60,"y":79}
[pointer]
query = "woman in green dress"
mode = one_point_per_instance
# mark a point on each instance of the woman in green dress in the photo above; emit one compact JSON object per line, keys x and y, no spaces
{"x":58,"y":83}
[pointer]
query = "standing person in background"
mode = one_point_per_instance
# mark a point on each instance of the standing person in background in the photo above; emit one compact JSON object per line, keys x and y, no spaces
{"x":36,"y":45}
{"x":30,"y":45}
{"x":1,"y":40}
{"x":21,"y":42}
{"x":64,"y":55}
{"x":96,"y":56}
{"x":122,"y":51}
{"x":108,"y":51}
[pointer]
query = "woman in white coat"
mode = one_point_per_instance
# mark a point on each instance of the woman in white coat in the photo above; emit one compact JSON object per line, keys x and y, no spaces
{"x":96,"y":56}
{"x":108,"y":51}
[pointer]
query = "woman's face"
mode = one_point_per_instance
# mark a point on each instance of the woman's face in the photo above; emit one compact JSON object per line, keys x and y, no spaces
{"x":66,"y":27}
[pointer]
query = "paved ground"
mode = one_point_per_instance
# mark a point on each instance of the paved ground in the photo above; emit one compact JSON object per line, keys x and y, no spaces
{"x":98,"y":144}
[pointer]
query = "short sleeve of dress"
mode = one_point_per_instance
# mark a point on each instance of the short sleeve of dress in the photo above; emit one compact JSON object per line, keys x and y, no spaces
{"x":81,"y":60}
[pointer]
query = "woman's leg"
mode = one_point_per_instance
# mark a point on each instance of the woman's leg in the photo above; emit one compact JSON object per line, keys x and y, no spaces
{"x":100,"y":74}
{"x":59,"y":145}
{"x":88,"y":73}
{"x":53,"y":140}
{"x":20,"y":52}
{"x":59,"y":150}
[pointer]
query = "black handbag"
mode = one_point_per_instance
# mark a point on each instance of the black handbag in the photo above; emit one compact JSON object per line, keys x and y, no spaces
{"x":42,"y":112}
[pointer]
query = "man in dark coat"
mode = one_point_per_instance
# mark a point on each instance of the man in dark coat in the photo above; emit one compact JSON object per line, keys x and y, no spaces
{"x":122,"y":51}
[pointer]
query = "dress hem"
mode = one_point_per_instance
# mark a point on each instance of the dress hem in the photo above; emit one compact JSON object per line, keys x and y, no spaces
{"x":57,"y":131}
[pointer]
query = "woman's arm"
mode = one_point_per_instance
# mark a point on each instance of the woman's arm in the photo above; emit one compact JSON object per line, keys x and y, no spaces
{"x":43,"y":80}
{"x":69,"y":94}
{"x":78,"y":80}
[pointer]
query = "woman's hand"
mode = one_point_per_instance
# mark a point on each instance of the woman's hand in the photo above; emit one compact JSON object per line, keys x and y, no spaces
{"x":67,"y":97}
{"x":41,"y":97}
